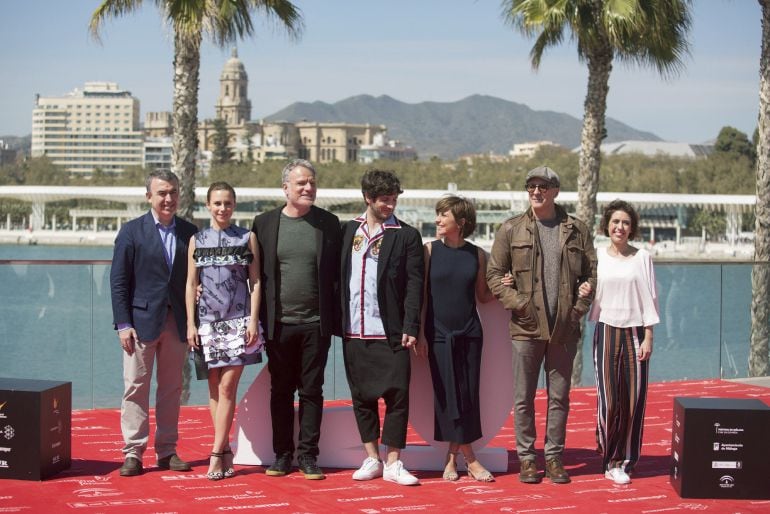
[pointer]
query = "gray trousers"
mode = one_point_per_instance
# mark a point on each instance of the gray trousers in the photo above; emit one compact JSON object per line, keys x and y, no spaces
{"x":528,"y":357}
{"x":170,"y":354}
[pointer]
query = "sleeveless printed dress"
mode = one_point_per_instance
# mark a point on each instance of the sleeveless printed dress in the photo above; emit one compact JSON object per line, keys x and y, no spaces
{"x":222,"y":258}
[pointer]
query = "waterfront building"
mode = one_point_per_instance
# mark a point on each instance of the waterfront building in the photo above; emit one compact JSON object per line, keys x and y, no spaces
{"x":653,"y":148}
{"x":96,"y":127}
{"x":157,"y":153}
{"x":528,"y":149}
{"x":383,"y":149}
{"x":322,"y":142}
{"x":158,"y":124}
{"x":8,"y":155}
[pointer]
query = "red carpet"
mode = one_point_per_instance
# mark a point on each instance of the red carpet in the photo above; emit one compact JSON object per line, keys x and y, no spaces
{"x":92,"y":484}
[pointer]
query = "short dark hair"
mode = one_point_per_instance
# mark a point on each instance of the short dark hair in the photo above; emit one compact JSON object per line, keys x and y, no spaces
{"x":376,"y":183}
{"x":461,"y":209}
{"x":164,"y":175}
{"x":620,"y":205}
{"x":219,"y":186}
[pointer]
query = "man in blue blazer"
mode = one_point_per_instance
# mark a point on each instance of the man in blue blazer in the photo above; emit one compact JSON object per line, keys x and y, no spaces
{"x":148,"y":277}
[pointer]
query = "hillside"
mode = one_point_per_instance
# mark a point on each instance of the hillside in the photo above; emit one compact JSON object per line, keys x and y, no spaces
{"x":476,"y":124}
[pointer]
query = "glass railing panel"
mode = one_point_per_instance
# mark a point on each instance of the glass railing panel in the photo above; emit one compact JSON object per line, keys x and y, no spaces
{"x":56,"y":323}
{"x":688,"y":337}
{"x":687,"y":340}
{"x":46,"y":317}
{"x":735,"y":320}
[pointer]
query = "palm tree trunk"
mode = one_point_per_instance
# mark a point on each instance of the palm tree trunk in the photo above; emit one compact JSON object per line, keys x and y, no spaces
{"x":185,"y":142}
{"x":595,"y":107}
{"x":185,"y":118}
{"x":760,"y":274}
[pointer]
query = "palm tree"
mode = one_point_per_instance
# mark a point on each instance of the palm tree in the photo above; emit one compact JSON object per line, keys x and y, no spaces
{"x":760,"y":274}
{"x":645,"y":32}
{"x":224,"y":22}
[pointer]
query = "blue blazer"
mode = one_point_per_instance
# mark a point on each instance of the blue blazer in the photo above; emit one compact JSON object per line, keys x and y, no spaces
{"x":141,"y":285}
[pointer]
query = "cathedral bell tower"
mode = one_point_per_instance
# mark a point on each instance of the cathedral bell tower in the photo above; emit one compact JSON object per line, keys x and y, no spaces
{"x":233,"y":104}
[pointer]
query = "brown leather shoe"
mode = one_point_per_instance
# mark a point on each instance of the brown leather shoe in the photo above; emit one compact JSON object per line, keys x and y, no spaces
{"x":528,"y":473}
{"x":131,"y":467}
{"x":556,"y":472}
{"x":174,"y":463}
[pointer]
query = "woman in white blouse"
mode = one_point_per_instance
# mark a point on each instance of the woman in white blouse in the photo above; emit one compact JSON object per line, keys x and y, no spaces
{"x":625,"y":309}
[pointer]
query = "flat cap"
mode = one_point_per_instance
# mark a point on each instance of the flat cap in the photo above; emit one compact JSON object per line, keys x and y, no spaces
{"x":545,"y":173}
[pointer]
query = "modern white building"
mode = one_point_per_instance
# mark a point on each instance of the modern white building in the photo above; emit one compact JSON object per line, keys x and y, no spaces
{"x":653,"y":148}
{"x":96,"y":127}
{"x":157,"y":153}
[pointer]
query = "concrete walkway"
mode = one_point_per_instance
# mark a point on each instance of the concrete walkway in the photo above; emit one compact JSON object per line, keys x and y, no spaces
{"x":757,"y":381}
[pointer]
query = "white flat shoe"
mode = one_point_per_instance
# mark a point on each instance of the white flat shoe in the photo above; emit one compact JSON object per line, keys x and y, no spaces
{"x":618,"y":476}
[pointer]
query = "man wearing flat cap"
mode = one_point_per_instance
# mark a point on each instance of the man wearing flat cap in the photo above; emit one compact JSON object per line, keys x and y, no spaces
{"x":538,"y":260}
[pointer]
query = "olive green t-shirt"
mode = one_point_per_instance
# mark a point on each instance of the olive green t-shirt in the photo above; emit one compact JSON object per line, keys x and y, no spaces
{"x":298,"y":297}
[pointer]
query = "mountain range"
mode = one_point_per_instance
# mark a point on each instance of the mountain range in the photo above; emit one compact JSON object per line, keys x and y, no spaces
{"x":476,"y":124}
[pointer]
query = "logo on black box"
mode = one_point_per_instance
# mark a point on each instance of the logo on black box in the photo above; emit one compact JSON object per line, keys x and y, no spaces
{"x":720,"y":430}
{"x":726,"y":482}
{"x":2,"y":414}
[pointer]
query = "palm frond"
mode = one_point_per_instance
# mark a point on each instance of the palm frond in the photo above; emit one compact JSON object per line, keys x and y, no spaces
{"x":109,"y":9}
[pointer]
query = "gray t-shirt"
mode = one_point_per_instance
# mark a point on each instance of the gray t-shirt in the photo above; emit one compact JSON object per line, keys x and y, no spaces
{"x":298,"y":296}
{"x":548,"y":233}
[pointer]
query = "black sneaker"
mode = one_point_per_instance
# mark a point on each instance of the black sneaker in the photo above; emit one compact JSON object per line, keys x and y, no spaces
{"x":281,"y":466}
{"x":308,"y":467}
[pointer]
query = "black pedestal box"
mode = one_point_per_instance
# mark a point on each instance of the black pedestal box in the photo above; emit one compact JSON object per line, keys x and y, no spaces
{"x":35,"y":428}
{"x":720,"y":448}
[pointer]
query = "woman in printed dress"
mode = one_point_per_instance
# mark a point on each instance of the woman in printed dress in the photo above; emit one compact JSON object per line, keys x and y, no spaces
{"x":224,"y":262}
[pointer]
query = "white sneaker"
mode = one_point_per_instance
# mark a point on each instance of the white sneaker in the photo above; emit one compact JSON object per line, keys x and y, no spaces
{"x":618,"y":476}
{"x":371,"y":468}
{"x":397,"y":473}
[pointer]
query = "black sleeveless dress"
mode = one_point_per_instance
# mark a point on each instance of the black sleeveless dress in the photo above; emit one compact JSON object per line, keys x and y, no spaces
{"x":454,"y":334}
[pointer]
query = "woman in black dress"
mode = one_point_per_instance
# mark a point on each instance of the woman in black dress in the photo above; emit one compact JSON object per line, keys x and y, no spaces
{"x":451,"y":334}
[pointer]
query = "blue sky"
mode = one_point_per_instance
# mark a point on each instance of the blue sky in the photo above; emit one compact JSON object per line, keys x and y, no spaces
{"x":412,"y":50}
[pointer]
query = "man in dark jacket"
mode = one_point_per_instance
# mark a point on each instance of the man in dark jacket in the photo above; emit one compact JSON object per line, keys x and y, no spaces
{"x":382,"y":286}
{"x":299,"y":247}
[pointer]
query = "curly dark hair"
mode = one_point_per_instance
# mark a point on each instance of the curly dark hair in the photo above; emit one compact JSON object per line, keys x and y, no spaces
{"x":377,"y":183}
{"x":620,"y":205}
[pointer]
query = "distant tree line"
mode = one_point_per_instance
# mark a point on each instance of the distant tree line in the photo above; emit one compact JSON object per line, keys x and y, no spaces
{"x":728,"y":170}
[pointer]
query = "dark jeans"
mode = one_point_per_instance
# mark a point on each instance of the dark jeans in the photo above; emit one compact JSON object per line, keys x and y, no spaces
{"x":296,"y":360}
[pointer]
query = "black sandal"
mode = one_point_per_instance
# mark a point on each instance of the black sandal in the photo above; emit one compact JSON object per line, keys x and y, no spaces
{"x":215,"y":475}
{"x":229,"y":472}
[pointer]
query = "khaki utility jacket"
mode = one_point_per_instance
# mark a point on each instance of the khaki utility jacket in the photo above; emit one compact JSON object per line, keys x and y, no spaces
{"x":516,"y":249}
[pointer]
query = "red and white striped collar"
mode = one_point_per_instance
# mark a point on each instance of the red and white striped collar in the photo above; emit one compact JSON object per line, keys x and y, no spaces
{"x":391,"y":222}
